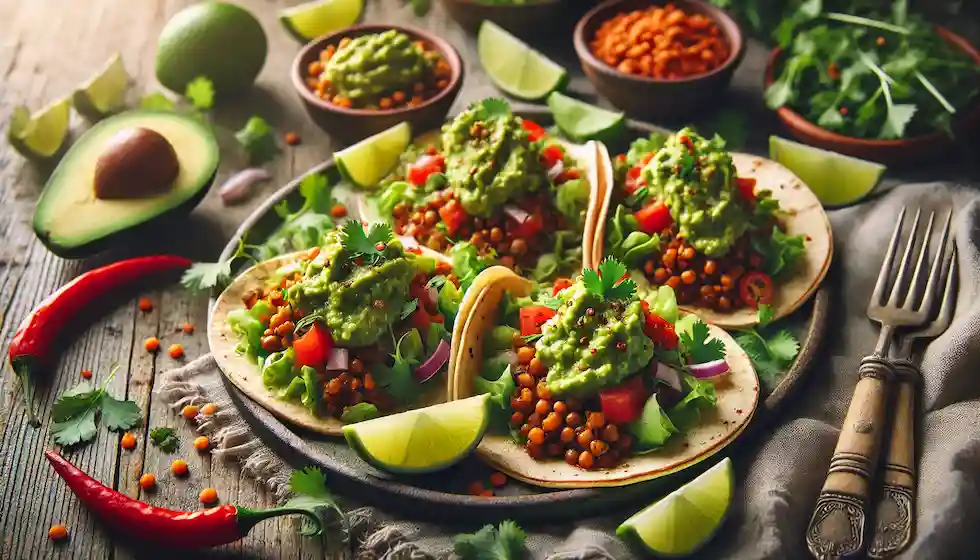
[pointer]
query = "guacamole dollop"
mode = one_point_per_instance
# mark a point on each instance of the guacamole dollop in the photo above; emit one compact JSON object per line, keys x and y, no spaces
{"x":372,"y":65}
{"x":490,"y":161}
{"x":586,"y":351}
{"x":695,"y":178}
{"x":347,"y":293}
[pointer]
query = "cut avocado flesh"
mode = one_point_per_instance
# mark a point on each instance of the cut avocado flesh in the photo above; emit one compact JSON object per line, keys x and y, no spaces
{"x":72,"y":221}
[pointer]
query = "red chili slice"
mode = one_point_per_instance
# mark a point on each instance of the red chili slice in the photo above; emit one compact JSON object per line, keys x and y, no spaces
{"x":746,"y":187}
{"x":533,"y":317}
{"x":755,"y":289}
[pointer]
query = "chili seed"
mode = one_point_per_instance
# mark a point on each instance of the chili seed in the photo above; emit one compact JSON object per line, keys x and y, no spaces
{"x":189,"y":412}
{"x":128,"y":441}
{"x":178,"y":467}
{"x":58,"y":532}
{"x":208,"y":496}
{"x":148,"y":481}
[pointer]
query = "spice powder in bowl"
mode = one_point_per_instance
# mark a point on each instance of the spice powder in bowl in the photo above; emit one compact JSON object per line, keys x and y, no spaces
{"x":663,"y":43}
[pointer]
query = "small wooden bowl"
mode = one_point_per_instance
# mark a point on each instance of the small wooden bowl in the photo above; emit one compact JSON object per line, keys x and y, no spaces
{"x":351,"y":125}
{"x":519,"y":19}
{"x":894,"y":152}
{"x":650,"y":98}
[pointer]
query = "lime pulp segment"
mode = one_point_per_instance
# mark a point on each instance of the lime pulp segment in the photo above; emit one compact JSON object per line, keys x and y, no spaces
{"x":514,"y":67}
{"x":42,"y":133}
{"x":835,"y":178}
{"x":368,"y":161}
{"x":104,"y":91}
{"x":313,"y":19}
{"x":581,"y":121}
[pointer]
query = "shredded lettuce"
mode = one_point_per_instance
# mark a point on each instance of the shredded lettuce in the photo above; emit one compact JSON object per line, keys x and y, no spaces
{"x":662,"y":301}
{"x":393,"y":193}
{"x":572,"y":199}
{"x":500,"y":391}
{"x":448,"y":302}
{"x":246,"y":325}
{"x":467,"y":263}
{"x":277,"y":371}
{"x":643,"y":146}
{"x":359,"y":413}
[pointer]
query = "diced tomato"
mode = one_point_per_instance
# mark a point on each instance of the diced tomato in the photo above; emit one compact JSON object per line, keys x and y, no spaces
{"x":560,"y":284}
{"x":660,"y":331}
{"x":418,"y":175}
{"x":653,"y":218}
{"x":623,"y":403}
{"x":420,"y":319}
{"x":313,"y":348}
{"x":453,"y":216}
{"x":567,"y":175}
{"x":533,"y":317}
{"x":634,"y":179}
{"x":621,"y":157}
{"x":746,"y":187}
{"x":551,"y":155}
{"x":646,"y":158}
{"x":535,"y":131}
{"x":755,"y":289}
{"x":529,"y":227}
{"x":418,"y":172}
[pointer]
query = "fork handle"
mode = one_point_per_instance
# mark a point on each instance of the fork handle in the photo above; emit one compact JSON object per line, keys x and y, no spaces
{"x":895,"y":511}
{"x":837,"y":526}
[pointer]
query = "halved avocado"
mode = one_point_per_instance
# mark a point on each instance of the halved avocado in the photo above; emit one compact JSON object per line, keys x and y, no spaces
{"x":125,"y":172}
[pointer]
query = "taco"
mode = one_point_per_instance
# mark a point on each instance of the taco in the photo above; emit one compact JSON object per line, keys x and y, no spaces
{"x":494,"y":188}
{"x":344,"y":332}
{"x":726,"y":231}
{"x":595,"y":384}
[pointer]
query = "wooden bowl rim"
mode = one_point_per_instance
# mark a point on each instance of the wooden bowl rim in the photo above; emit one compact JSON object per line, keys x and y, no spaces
{"x":799,"y":123}
{"x":726,"y":23}
{"x":448,"y":52}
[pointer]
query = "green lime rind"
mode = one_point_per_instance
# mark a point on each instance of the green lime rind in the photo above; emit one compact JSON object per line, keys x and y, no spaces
{"x":686,"y":519}
{"x":40,"y":136}
{"x":367,"y":162}
{"x":422,"y":432}
{"x":104,"y":93}
{"x":514,"y":67}
{"x":320,"y":17}
{"x":836,"y":179}
{"x":581,"y":122}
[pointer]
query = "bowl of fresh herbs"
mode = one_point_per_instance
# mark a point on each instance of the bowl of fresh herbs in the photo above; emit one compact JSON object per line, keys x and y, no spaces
{"x":890,"y":88}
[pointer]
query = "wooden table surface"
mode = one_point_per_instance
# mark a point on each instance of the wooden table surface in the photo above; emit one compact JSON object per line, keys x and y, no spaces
{"x":46,"y":48}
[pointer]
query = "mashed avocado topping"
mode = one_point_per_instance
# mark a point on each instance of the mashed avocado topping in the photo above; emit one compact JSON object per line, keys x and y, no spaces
{"x":372,"y":65}
{"x":695,"y":178}
{"x":490,"y":160}
{"x":596,"y":339}
{"x":358,"y":296}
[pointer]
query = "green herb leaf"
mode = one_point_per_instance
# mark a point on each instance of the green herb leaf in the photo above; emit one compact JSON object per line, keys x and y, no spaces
{"x":310,"y":493}
{"x":409,"y":308}
{"x":614,"y":286}
{"x":436,"y":282}
{"x":204,"y":276}
{"x":699,"y":345}
{"x":73,"y":416}
{"x":783,"y":347}
{"x":359,"y":412}
{"x":770,"y":356}
{"x":75,"y":429}
{"x":530,"y":338}
{"x":119,"y":415}
{"x":505,"y":542}
{"x":366,"y":245}
{"x":258,"y":141}
{"x":165,"y":439}
{"x":200,"y":92}
{"x":491,"y":108}
{"x":156,"y":101}
{"x":766,"y":314}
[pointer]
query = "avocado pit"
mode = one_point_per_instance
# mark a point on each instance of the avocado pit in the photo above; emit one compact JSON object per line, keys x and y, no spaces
{"x":136,"y":163}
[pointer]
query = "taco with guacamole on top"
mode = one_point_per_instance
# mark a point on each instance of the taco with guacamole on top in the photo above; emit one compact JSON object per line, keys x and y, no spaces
{"x":726,"y":231}
{"x":355,"y":328}
{"x":595,"y":383}
{"x":494,"y":188}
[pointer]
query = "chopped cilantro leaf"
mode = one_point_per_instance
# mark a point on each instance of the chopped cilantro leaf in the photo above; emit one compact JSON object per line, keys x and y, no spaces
{"x":200,"y":92}
{"x":75,"y":412}
{"x":358,"y":413}
{"x":504,"y":542}
{"x":119,"y":415}
{"x":609,"y":282}
{"x":700,"y":346}
{"x":409,"y":308}
{"x":310,"y":494}
{"x":165,"y":439}
{"x":532,"y":337}
{"x":204,"y":276}
{"x":771,"y":353}
{"x":257,"y":140}
{"x":491,"y":108}
{"x":371,"y":245}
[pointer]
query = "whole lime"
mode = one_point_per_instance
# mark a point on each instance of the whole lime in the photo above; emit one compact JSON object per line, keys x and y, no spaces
{"x":221,"y":41}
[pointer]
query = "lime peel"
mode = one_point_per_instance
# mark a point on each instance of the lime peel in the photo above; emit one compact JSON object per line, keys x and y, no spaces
{"x":366,"y":163}
{"x":313,"y":19}
{"x":40,"y":135}
{"x":581,"y":121}
{"x":836,"y":179}
{"x":516,"y":68}
{"x":104,"y":92}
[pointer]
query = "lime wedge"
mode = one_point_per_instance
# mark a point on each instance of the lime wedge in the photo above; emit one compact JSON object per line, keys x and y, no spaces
{"x":368,"y":161}
{"x":104,"y":92}
{"x":313,"y":19}
{"x":582,"y":122}
{"x":836,"y":179}
{"x":424,"y":440}
{"x":686,"y":518}
{"x":514,"y":67}
{"x":39,"y":136}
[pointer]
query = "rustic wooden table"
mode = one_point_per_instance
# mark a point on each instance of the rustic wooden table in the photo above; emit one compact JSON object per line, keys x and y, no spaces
{"x":46,"y":48}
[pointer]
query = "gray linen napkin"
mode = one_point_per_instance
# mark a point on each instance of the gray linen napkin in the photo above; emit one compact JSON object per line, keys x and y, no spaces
{"x":786,"y":469}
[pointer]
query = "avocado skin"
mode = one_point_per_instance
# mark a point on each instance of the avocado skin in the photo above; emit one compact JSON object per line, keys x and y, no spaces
{"x":98,"y":245}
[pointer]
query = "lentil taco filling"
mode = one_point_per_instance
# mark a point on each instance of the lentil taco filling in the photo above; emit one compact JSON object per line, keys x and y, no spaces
{"x":492,"y":187}
{"x":685,"y":218}
{"x":352,"y":329}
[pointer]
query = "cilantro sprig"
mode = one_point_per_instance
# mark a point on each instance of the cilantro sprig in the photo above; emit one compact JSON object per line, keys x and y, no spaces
{"x":76,"y":412}
{"x":771,"y":351}
{"x":504,"y":542}
{"x":165,"y":439}
{"x":310,"y":493}
{"x":609,"y":282}
{"x":490,"y":108}
{"x":204,"y":276}
{"x":371,"y":245}
{"x":257,"y":140}
{"x":699,"y":345}
{"x":200,"y":92}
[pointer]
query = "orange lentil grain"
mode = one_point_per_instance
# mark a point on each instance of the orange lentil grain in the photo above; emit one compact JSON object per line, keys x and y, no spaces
{"x":178,"y":467}
{"x":190,"y":411}
{"x":201,"y":443}
{"x":176,"y":351}
{"x":209,"y":409}
{"x":498,"y":479}
{"x":208,"y":496}
{"x":58,"y":532}
{"x":475,"y":488}
{"x":146,"y":305}
{"x":87,"y":373}
{"x":291,"y":138}
{"x":148,"y":481}
{"x":338,"y":211}
{"x":187,"y":328}
{"x":128,"y":441}
{"x":151,"y":344}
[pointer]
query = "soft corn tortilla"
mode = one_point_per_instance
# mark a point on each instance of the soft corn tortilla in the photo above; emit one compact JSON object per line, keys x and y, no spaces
{"x":601,"y":213}
{"x":738,"y":396}
{"x":803,"y":215}
{"x":247,"y":375}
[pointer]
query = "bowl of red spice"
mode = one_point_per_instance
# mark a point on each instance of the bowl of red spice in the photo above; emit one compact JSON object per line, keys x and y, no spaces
{"x":364,"y":79}
{"x":659,"y":59}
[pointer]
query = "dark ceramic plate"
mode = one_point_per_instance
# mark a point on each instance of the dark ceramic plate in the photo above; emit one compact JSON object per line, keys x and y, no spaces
{"x":443,"y":495}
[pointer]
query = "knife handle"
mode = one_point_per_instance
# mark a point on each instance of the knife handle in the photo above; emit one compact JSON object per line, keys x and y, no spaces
{"x":837,"y":526}
{"x":895,"y":511}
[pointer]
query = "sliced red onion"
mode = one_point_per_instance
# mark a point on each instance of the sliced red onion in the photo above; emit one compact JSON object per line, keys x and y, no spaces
{"x":670,"y":376}
{"x":237,"y":187}
{"x":433,"y":294}
{"x":516,"y":213}
{"x":424,"y":160}
{"x":708,"y":370}
{"x":433,"y":363}
{"x":408,"y":242}
{"x":556,"y":170}
{"x":337,"y":360}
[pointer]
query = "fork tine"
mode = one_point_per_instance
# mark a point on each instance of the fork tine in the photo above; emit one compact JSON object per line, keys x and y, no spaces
{"x":882,"y":284}
{"x":945,"y":316}
{"x":903,"y":267}
{"x":932,"y":286}
{"x":918,"y":275}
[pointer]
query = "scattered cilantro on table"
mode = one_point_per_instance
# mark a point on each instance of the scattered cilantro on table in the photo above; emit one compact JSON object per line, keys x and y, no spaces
{"x":258,"y":141}
{"x":200,"y":92}
{"x":504,"y":542}
{"x":608,"y":283}
{"x":700,"y":346}
{"x":76,"y":412}
{"x":771,"y":351}
{"x":310,"y":491}
{"x":204,"y":276}
{"x":165,"y":439}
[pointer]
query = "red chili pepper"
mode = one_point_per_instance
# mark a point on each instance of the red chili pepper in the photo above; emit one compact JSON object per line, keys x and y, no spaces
{"x":756,"y":288}
{"x":181,"y":529}
{"x":32,"y":343}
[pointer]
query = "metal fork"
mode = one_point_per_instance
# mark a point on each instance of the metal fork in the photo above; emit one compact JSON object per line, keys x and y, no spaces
{"x":895,"y":510}
{"x":838,"y":524}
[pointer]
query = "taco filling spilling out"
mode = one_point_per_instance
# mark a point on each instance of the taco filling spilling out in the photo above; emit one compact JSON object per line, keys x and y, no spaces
{"x":352,"y":329}
{"x":682,"y":214}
